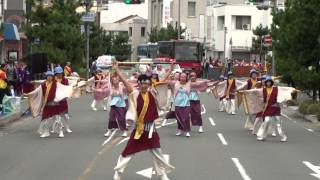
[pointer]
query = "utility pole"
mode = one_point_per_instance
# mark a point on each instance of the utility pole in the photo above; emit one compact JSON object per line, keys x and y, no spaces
{"x":273,"y":50}
{"x":87,"y":3}
{"x":224,"y":45}
{"x":179,"y":14}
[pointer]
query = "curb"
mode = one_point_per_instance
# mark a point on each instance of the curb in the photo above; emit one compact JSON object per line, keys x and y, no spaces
{"x":293,"y":111}
{"x":9,"y":118}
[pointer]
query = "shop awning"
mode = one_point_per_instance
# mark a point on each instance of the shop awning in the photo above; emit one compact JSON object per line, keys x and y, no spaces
{"x":11,"y":32}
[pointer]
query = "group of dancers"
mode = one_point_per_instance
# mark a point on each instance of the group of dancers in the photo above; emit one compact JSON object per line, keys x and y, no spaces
{"x":262,"y":102}
{"x":143,"y":97}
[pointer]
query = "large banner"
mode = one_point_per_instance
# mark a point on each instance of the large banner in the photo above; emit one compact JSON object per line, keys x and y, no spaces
{"x":166,"y":13}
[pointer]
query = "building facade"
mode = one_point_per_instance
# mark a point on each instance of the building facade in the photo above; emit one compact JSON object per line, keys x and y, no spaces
{"x":13,"y":12}
{"x":192,"y":16}
{"x":229,"y":28}
{"x":133,"y":25}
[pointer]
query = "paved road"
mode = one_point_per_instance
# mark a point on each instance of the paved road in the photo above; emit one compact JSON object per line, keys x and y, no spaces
{"x":225,"y":151}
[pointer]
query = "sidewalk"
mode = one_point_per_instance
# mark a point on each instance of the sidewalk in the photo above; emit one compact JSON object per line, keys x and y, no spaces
{"x":309,"y":122}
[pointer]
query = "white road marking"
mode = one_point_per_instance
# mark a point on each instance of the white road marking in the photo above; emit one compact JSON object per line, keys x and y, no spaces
{"x":241,"y":170}
{"x":212,"y":122}
{"x":111,"y":136}
{"x":222,"y":139}
{"x":146,"y":172}
{"x":149,"y":171}
{"x":310,"y":130}
{"x":170,"y":123}
{"x":123,"y":140}
{"x":315,"y":169}
{"x":204,"y":109}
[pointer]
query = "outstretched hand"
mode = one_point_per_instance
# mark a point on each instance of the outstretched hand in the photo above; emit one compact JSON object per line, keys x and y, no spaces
{"x":115,"y":64}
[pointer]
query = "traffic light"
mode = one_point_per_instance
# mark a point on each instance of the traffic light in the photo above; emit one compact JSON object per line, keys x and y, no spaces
{"x":133,"y":1}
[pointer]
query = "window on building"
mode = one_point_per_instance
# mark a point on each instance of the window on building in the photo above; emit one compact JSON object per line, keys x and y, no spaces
{"x":143,"y":31}
{"x":242,"y":22}
{"x":130,"y":31}
{"x":220,"y":22}
{"x":191,"y":9}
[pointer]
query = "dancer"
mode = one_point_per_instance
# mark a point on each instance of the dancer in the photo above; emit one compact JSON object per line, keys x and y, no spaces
{"x":63,"y":104}
{"x":252,"y":83}
{"x":50,"y":108}
{"x":99,"y":92}
{"x":195,"y":105}
{"x":182,"y":102}
{"x":267,"y":101}
{"x":143,"y":110}
{"x":118,"y":107}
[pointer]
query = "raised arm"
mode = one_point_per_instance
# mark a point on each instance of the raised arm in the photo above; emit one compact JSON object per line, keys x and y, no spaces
{"x":126,"y":84}
{"x":166,"y":76}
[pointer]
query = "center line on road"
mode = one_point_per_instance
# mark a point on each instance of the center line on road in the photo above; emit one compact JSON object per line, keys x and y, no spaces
{"x":242,"y":171}
{"x":223,"y":141}
{"x":211,"y":121}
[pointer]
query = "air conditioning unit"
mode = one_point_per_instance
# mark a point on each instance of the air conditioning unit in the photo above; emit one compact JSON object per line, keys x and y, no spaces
{"x":246,"y":26}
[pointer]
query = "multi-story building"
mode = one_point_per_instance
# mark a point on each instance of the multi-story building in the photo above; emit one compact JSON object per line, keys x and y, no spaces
{"x":130,"y":19}
{"x":192,"y":16}
{"x":229,"y":25}
{"x":133,"y":25}
{"x":13,"y":16}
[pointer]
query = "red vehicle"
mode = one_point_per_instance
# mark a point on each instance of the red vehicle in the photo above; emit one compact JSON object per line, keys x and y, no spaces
{"x":188,"y":54}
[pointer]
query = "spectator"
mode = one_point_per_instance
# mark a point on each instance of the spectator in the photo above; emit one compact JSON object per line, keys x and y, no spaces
{"x":3,"y":84}
{"x":11,"y":74}
{"x":67,"y":69}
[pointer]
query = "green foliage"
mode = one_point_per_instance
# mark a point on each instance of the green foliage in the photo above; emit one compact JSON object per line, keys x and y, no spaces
{"x":313,"y":108}
{"x":296,"y":41}
{"x":164,"y":34}
{"x":303,"y":106}
{"x":120,"y":47}
{"x":100,"y":42}
{"x":59,"y":30}
{"x":257,"y":41}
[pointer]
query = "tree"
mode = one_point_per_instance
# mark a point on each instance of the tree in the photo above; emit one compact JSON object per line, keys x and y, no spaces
{"x":57,"y":31}
{"x":164,"y":34}
{"x":100,"y":42}
{"x":296,"y":42}
{"x":120,"y":47}
{"x":257,"y":41}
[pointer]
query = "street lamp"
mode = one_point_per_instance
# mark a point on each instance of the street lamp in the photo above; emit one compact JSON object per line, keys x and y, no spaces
{"x":87,"y":4}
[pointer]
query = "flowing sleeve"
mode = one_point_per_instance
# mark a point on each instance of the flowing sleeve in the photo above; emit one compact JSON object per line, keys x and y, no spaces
{"x":252,"y":101}
{"x":63,"y":92}
{"x":132,"y":109}
{"x":161,"y":94}
{"x":200,"y":85}
{"x":90,"y":84}
{"x":35,"y":100}
{"x":284,"y":94}
{"x":242,"y":86}
{"x":219,"y":90}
